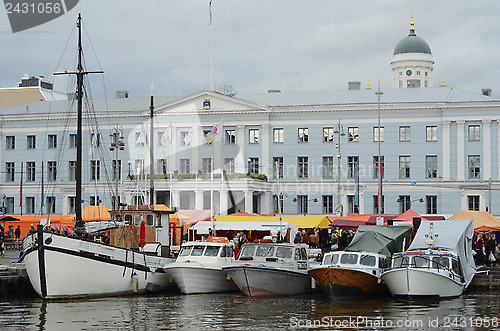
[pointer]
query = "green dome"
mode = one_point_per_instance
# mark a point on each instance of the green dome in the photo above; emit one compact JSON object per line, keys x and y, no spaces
{"x":412,"y":44}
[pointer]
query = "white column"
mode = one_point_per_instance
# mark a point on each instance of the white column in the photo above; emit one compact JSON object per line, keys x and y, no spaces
{"x":460,"y":151}
{"x":498,"y":151}
{"x":446,"y":151}
{"x":240,"y":158}
{"x":176,"y":199}
{"x":265,"y":150}
{"x":486,"y":150}
{"x":265,"y":203}
{"x":248,"y":201}
{"x":198,"y":200}
{"x":223,"y":202}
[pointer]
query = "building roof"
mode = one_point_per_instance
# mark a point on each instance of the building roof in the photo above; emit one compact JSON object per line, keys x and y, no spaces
{"x":441,"y":94}
{"x":412,"y":44}
{"x":341,"y":98}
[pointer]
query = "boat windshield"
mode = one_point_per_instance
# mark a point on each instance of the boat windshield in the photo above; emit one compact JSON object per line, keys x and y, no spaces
{"x":368,"y":260}
{"x":331,"y":259}
{"x":197,"y":250}
{"x":421,"y":261}
{"x":212,"y":251}
{"x":400,"y":262}
{"x":284,"y":252}
{"x":455,"y":266}
{"x":440,"y":262}
{"x":185,"y":250}
{"x":348,"y":258}
{"x":264,"y":251}
{"x":247,"y":251}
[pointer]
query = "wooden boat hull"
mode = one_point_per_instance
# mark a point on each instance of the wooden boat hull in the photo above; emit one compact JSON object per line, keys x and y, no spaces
{"x":266,"y":281}
{"x":338,"y":281}
{"x":65,"y":267}
{"x":193,"y":279}
{"x":415,"y":282}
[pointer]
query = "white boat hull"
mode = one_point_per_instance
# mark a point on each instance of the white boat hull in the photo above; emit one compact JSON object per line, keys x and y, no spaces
{"x":69,"y":267}
{"x":192,"y":279}
{"x":414,"y":282}
{"x":262,"y":281}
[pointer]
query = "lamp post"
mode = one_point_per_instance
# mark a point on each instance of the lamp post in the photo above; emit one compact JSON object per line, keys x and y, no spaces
{"x":117,"y":144}
{"x":304,"y":203}
{"x":411,"y":201}
{"x":340,"y":133}
{"x":380,"y":220}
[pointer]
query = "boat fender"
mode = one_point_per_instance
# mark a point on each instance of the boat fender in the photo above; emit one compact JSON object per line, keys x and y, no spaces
{"x":135,"y":283}
{"x":313,"y":283}
{"x":48,"y":241}
{"x":228,"y":277}
{"x":379,"y":280}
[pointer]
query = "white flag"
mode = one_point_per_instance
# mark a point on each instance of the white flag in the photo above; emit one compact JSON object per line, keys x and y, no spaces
{"x":143,"y":136}
{"x":189,"y":137}
{"x":214,"y":134}
{"x":166,"y":138}
{"x":93,"y":144}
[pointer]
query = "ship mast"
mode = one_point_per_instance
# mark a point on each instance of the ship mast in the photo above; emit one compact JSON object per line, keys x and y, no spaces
{"x":80,"y":73}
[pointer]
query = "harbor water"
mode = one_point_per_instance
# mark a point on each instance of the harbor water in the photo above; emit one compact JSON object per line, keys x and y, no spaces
{"x":235,"y":311}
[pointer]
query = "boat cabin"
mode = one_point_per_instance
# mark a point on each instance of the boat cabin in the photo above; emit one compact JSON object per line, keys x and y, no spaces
{"x":213,"y":247}
{"x":276,"y":252}
{"x":356,"y":260}
{"x":432,"y":260}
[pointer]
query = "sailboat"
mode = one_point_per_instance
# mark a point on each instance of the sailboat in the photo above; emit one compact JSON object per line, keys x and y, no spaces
{"x":61,"y":266}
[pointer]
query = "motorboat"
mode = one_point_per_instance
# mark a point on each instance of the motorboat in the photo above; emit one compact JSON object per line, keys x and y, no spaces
{"x":272,"y":268}
{"x":198,"y":267}
{"x":358,"y":268}
{"x":439,"y":262}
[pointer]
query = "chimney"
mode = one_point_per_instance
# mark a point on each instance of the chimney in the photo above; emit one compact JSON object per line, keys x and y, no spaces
{"x":486,"y":92}
{"x":354,"y":85}
{"x":121,"y":94}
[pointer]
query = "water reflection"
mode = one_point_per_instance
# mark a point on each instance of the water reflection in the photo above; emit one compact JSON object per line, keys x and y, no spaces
{"x":237,"y":312}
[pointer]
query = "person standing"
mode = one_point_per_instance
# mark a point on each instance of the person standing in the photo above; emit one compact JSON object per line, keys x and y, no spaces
{"x":489,"y":248}
{"x":17,"y":232}
{"x":2,"y":241}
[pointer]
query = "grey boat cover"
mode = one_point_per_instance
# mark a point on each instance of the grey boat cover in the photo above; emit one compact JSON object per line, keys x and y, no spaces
{"x":452,"y":235}
{"x":381,"y":239}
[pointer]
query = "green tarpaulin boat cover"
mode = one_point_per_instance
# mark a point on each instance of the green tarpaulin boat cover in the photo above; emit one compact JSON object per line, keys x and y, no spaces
{"x":380,"y":239}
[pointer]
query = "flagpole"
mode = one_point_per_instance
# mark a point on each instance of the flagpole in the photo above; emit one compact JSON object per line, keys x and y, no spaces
{"x":21,"y":190}
{"x":211,"y":45}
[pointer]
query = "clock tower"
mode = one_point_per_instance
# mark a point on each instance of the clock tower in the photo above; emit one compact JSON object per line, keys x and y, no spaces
{"x":412,"y":62}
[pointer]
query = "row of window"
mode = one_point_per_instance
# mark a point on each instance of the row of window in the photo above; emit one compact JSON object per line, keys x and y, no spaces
{"x":31,"y":141}
{"x":474,"y":134}
{"x":328,"y":166}
{"x":431,"y":203}
{"x":302,"y":201}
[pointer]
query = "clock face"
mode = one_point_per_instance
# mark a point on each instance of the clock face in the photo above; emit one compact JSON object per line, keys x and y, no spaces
{"x":408,"y":72}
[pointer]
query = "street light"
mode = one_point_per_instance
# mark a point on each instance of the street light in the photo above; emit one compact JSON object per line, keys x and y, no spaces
{"x":340,"y":133}
{"x":410,"y":202}
{"x":304,"y":203}
{"x":117,"y":144}
{"x":380,"y":221}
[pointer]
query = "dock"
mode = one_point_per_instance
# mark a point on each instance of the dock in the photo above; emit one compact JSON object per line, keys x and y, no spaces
{"x":489,"y":280}
{"x":13,"y":277}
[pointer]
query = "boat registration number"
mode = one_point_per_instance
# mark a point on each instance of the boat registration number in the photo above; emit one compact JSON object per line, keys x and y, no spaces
{"x":302,"y":265}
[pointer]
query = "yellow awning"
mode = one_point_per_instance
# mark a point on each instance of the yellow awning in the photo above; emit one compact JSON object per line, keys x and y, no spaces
{"x":300,"y":221}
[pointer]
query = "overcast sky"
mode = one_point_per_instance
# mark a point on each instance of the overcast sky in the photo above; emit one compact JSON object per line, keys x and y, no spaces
{"x":291,"y":45}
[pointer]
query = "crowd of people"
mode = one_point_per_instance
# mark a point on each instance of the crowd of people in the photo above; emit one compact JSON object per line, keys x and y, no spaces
{"x":487,"y":249}
{"x":326,"y":239}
